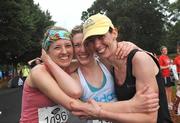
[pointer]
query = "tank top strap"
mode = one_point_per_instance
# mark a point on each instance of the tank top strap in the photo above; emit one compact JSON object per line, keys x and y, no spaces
{"x":129,"y":64}
{"x":103,"y":68}
{"x":81,"y":77}
{"x":155,"y":59}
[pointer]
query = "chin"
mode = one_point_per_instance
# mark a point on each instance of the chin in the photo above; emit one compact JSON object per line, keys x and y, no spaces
{"x":64,"y":64}
{"x":84,"y":62}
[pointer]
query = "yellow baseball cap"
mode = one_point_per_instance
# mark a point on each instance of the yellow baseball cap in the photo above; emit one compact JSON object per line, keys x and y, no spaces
{"x":97,"y":24}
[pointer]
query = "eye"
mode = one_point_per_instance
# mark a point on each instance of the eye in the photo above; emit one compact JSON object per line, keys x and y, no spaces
{"x":57,"y":47}
{"x":100,"y":37}
{"x":68,"y":45}
{"x":77,"y":45}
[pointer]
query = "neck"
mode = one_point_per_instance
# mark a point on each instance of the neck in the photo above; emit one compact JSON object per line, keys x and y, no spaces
{"x":89,"y":68}
{"x":118,"y":63}
{"x":114,"y":47}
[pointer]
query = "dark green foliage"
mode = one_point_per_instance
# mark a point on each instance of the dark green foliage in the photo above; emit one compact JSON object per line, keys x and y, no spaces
{"x":22,"y":25}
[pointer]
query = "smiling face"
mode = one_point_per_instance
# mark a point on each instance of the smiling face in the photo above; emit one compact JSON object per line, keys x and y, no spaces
{"x":104,"y":45}
{"x":83,"y":55}
{"x":61,"y":52}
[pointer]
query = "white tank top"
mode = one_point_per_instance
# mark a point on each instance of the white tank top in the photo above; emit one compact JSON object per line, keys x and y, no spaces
{"x":106,"y":93}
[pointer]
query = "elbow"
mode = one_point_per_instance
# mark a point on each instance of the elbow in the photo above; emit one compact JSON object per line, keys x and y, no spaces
{"x":76,"y":94}
{"x":152,"y":120}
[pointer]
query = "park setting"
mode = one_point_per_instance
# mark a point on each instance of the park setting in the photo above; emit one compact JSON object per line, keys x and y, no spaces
{"x":150,"y":25}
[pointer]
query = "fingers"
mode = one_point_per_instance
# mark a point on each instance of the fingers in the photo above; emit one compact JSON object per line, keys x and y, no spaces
{"x":119,"y":47}
{"x":151,"y":104}
{"x":94,"y":103}
{"x":123,"y":49}
{"x":152,"y":96}
{"x":120,"y":50}
{"x":126,"y":50}
{"x":43,"y":51}
{"x":154,"y":105}
{"x":149,"y":110}
{"x":152,"y":109}
{"x":149,"y":107}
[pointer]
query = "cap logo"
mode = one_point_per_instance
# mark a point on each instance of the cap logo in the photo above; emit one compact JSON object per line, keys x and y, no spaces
{"x":88,"y":23}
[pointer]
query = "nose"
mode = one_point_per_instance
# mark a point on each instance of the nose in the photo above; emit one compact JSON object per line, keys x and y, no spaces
{"x":82,"y":48}
{"x":64,"y":50}
{"x":97,"y":43}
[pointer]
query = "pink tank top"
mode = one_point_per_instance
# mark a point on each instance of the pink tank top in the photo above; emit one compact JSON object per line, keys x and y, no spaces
{"x":32,"y":99}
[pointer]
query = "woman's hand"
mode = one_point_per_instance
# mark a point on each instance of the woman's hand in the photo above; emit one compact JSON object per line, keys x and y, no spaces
{"x":124,"y":48}
{"x":89,"y":110}
{"x":144,"y":102}
{"x":44,"y":56}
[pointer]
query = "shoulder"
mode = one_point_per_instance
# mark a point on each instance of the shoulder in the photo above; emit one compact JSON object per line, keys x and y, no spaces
{"x":38,"y":69}
{"x":142,"y":56}
{"x":38,"y":72}
{"x":143,"y":61}
{"x":144,"y":64}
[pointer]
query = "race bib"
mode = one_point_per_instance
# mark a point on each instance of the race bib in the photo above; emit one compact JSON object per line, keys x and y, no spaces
{"x":101,"y":121}
{"x":55,"y":114}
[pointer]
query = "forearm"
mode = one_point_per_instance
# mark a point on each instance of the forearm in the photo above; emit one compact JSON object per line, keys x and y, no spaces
{"x":64,"y":80}
{"x":128,"y":117}
{"x":117,"y":107}
{"x":61,"y":98}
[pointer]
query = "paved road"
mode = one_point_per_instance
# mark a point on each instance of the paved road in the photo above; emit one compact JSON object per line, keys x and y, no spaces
{"x":10,"y":106}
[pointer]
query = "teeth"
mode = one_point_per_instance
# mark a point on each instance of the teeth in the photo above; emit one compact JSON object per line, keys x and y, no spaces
{"x":64,"y":58}
{"x":83,"y":56}
{"x":101,"y":50}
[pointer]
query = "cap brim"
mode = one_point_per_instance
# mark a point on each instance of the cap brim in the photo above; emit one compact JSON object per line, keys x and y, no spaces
{"x":95,"y":31}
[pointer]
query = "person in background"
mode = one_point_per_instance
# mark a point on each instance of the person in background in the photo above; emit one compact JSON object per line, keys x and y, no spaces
{"x":131,"y":74}
{"x":1,"y":74}
{"x":165,"y":62}
{"x":25,"y":72}
{"x":177,"y":98}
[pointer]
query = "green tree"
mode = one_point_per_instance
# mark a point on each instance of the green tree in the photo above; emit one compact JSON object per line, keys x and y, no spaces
{"x":173,"y":30}
{"x":22,"y":24}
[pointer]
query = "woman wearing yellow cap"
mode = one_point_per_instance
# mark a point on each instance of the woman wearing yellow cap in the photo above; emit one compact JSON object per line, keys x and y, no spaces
{"x":131,"y":74}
